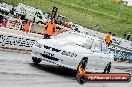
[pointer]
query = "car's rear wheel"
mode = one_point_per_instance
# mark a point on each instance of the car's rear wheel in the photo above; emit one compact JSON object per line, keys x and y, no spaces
{"x":81,"y":78}
{"x":36,"y":60}
{"x":107,"y":68}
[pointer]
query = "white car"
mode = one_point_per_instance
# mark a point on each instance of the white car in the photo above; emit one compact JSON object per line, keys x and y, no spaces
{"x":30,"y":13}
{"x":4,"y":9}
{"x":71,"y":48}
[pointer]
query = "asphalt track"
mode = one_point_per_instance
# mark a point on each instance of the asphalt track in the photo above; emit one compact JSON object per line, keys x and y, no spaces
{"x":17,"y":70}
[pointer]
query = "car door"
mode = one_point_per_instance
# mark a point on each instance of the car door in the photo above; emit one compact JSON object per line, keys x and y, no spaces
{"x":98,"y":56}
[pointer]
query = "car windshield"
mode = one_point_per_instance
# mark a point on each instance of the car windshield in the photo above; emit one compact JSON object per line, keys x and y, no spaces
{"x":100,"y":46}
{"x":77,"y":39}
{"x":87,"y":44}
{"x":97,"y":45}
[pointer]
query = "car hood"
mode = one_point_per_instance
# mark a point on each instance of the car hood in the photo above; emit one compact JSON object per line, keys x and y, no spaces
{"x":64,"y":46}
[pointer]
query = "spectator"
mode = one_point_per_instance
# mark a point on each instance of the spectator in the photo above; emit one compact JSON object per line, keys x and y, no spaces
{"x":23,"y":15}
{"x":128,"y":36}
{"x":113,"y":34}
{"x":50,"y":28}
{"x":35,"y":16}
{"x":97,"y":27}
{"x":12,"y":11}
{"x":1,"y":18}
{"x":108,"y":39}
{"x":3,"y":24}
{"x":26,"y":27}
{"x":125,"y":34}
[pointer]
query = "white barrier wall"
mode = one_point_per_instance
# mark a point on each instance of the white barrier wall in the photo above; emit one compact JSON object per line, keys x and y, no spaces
{"x":22,"y":41}
{"x":122,"y":43}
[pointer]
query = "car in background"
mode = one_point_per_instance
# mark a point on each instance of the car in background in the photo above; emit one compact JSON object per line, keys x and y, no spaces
{"x":31,"y":13}
{"x":70,"y":49}
{"x":4,"y":9}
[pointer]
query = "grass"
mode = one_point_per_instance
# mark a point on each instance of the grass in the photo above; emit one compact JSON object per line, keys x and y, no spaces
{"x":88,"y":13}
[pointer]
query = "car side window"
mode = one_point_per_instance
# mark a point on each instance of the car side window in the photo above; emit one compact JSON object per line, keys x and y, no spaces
{"x":97,"y":45}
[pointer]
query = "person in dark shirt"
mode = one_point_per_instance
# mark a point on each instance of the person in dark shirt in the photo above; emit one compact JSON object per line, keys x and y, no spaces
{"x":125,"y":35}
{"x":1,"y":18}
{"x":128,"y":36}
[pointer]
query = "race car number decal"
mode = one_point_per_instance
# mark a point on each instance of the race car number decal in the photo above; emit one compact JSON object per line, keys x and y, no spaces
{"x":69,"y":54}
{"x":48,"y":54}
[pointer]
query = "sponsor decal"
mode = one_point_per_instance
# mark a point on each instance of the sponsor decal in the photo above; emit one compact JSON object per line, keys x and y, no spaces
{"x":108,"y":77}
{"x":69,"y":54}
{"x":48,"y":54}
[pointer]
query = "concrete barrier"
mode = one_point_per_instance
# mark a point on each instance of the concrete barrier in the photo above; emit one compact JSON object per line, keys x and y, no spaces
{"x":14,"y":39}
{"x":121,"y":43}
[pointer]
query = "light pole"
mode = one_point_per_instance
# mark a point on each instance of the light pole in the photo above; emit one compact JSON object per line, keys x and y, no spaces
{"x":121,"y":7}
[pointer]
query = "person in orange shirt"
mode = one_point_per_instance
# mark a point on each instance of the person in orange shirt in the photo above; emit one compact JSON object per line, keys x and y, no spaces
{"x":50,"y":29}
{"x":108,"y":39}
{"x":26,"y":27}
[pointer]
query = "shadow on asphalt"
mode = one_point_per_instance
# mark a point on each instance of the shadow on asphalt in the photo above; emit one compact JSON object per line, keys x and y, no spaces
{"x":57,"y":70}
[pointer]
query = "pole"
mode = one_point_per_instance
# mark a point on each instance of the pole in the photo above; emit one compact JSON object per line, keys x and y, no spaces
{"x":120,"y":8}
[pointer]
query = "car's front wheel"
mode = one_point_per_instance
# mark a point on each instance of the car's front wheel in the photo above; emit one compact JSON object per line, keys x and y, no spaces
{"x":81,"y":79}
{"x":36,"y":60}
{"x":107,"y":68}
{"x":80,"y":74}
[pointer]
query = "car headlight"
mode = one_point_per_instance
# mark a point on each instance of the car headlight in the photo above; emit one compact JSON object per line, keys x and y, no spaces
{"x":38,"y":45}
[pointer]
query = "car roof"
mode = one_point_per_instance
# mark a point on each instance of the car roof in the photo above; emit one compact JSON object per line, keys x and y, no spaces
{"x":84,"y":35}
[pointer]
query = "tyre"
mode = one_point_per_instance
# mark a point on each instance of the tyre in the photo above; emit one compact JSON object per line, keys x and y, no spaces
{"x":107,"y":68}
{"x":36,"y":60}
{"x":81,"y":79}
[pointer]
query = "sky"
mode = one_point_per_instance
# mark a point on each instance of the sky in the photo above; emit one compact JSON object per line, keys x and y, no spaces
{"x":128,"y":0}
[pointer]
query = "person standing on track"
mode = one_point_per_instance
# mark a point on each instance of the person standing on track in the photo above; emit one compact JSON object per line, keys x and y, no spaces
{"x":50,"y":29}
{"x":26,"y":27}
{"x":108,"y":39}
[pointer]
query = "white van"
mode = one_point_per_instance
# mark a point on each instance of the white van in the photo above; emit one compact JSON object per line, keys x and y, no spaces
{"x":31,"y":13}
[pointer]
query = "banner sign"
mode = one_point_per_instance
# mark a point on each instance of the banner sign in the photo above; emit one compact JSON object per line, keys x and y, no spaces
{"x":17,"y":42}
{"x":122,"y":43}
{"x":121,"y":55}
